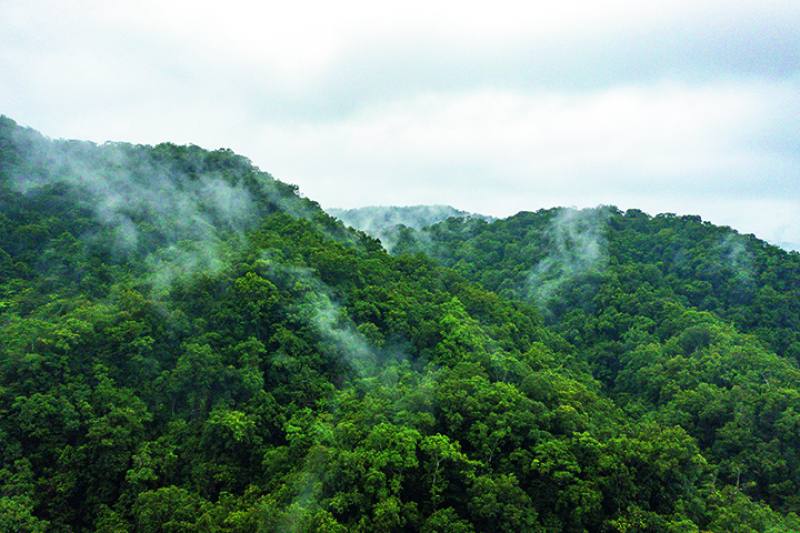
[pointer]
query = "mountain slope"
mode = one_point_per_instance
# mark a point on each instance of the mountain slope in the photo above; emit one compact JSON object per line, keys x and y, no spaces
{"x":649,"y":302}
{"x":188,"y":345}
{"x":562,"y":252}
{"x":382,"y":222}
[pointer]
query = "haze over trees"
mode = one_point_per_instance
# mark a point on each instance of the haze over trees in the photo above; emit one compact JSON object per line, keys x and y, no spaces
{"x":188,"y":345}
{"x":385,"y":222}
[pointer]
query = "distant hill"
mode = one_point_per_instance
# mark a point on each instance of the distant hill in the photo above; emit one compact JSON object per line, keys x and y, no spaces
{"x":381,"y":222}
{"x":554,"y":255}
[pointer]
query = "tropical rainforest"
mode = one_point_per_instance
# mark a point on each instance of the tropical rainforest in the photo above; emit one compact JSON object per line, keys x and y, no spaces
{"x":188,"y":344}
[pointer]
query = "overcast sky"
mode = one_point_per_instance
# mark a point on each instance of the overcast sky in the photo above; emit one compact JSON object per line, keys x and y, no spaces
{"x":685,"y":107}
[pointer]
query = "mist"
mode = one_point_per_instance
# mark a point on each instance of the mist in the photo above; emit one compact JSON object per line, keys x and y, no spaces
{"x":577,"y":246}
{"x":383,"y":222}
{"x":173,"y":210}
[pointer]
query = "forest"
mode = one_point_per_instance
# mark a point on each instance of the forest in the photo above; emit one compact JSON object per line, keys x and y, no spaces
{"x":188,"y":344}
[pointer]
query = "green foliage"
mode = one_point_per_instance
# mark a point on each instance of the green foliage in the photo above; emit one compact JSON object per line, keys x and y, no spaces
{"x":218,"y":354}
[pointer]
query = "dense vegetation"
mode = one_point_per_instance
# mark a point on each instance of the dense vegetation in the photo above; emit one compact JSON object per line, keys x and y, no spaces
{"x":564,"y":259}
{"x":382,"y":222}
{"x":187,"y":345}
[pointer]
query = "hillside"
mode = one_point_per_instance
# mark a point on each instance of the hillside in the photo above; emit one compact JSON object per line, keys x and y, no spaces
{"x":188,"y":345}
{"x":384,"y":222}
{"x":565,"y":259}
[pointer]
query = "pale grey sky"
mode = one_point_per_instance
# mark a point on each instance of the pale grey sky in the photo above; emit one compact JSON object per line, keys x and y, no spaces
{"x":687,"y":107}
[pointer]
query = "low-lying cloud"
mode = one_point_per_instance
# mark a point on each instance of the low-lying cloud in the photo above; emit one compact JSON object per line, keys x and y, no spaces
{"x":687,"y":107}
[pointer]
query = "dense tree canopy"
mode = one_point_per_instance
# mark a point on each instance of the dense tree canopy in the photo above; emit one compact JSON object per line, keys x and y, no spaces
{"x":188,"y":345}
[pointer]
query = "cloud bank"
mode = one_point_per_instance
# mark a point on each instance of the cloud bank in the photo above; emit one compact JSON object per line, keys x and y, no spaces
{"x":687,"y":107}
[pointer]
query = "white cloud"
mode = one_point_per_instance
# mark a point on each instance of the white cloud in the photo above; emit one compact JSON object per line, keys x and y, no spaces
{"x":679,"y":106}
{"x":665,"y":136}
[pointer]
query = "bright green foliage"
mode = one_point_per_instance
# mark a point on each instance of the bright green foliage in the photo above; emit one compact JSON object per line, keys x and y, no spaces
{"x":187,"y":345}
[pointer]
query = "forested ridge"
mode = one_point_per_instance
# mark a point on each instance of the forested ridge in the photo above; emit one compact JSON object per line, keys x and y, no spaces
{"x":382,"y":222}
{"x":189,"y":345}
